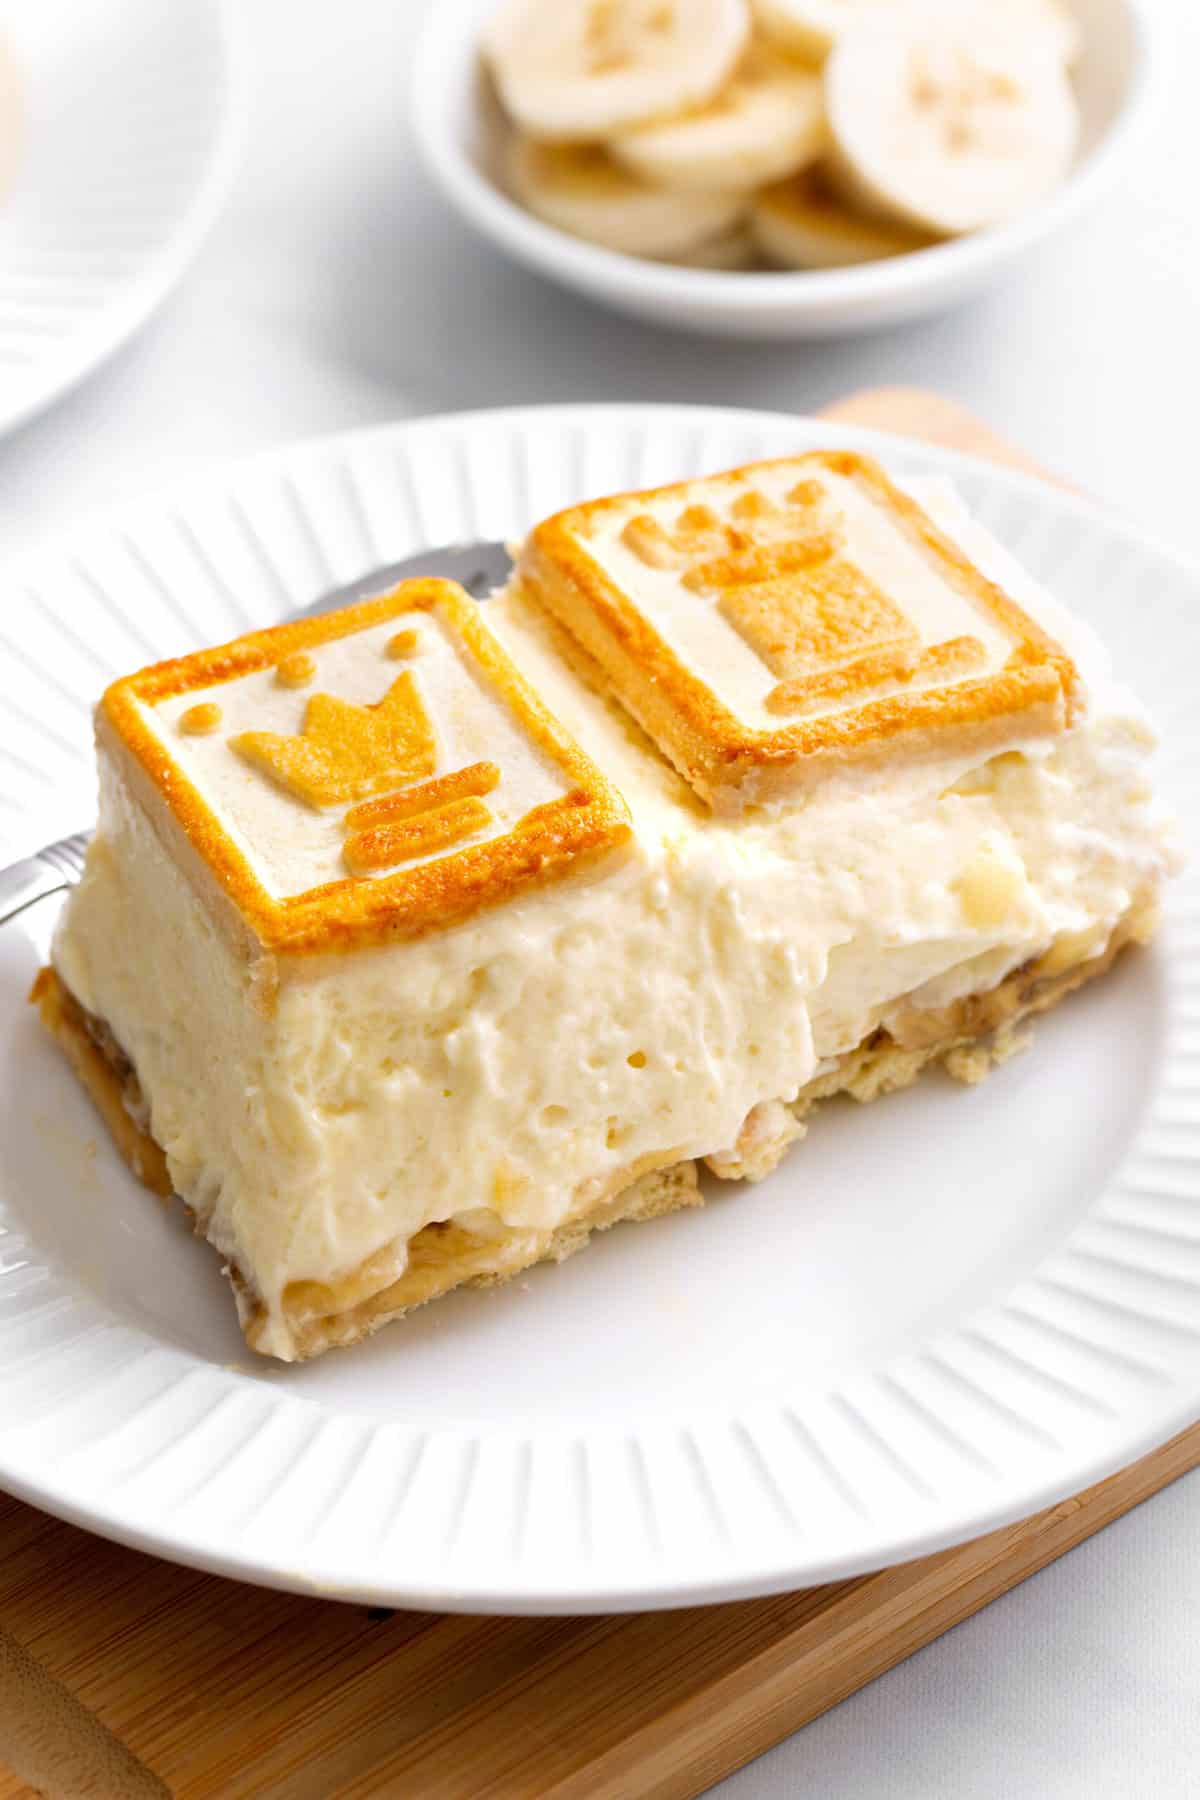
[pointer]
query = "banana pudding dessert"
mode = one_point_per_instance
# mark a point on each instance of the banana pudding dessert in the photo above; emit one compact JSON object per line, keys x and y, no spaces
{"x":419,"y":940}
{"x":798,"y":134}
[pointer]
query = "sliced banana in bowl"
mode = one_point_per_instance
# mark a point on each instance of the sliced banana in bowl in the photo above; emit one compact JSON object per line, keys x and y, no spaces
{"x":736,"y":248}
{"x":575,"y":71}
{"x":948,"y":131}
{"x":581,"y":190}
{"x":686,"y":137}
{"x":802,"y":224}
{"x":766,"y":123}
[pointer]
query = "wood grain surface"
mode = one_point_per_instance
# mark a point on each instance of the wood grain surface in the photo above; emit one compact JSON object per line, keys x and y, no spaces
{"x":126,"y":1678}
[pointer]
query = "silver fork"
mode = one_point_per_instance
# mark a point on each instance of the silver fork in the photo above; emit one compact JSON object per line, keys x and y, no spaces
{"x":52,"y":869}
{"x":480,"y":568}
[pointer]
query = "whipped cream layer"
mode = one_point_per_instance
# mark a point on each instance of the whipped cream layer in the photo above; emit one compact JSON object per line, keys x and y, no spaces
{"x":517,"y":1067}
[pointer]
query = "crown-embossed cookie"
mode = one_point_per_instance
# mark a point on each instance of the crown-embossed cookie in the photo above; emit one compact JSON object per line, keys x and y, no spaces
{"x":363,"y":802}
{"x":790,"y":618}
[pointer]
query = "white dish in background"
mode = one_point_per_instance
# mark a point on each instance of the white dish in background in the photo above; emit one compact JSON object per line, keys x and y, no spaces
{"x":457,"y":129}
{"x":943,"y":1312}
{"x":128,"y":114}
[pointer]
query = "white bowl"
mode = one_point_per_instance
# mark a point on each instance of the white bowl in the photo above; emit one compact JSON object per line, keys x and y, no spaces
{"x":455,"y":128}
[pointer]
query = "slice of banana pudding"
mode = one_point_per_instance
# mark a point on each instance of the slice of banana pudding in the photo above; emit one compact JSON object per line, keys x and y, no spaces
{"x":407,"y":957}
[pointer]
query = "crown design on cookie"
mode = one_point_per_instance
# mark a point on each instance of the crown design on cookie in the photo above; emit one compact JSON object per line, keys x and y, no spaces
{"x":753,"y":524}
{"x":416,"y":821}
{"x":779,"y":574}
{"x":400,"y":830}
{"x":346,"y":752}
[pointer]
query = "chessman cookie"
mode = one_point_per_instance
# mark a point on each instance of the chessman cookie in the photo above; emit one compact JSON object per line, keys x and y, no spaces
{"x":278,"y":796}
{"x":794,"y":619}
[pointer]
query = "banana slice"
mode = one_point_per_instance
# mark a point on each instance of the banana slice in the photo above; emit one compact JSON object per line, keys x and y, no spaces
{"x":769,"y":122}
{"x":947,"y":131}
{"x":812,"y":27}
{"x":736,"y":248}
{"x":581,"y":190}
{"x":575,"y":71}
{"x":801,"y":224}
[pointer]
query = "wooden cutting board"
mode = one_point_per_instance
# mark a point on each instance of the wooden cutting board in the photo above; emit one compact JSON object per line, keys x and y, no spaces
{"x":122,"y":1677}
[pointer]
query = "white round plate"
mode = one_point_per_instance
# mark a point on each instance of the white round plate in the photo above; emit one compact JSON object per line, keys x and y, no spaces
{"x":459,"y":132}
{"x":944,"y":1312}
{"x":118,"y":122}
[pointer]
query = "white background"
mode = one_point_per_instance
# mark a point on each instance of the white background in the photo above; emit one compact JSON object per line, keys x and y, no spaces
{"x":337,"y":292}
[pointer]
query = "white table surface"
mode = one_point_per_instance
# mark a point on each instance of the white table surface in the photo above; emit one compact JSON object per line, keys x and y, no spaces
{"x":337,"y":292}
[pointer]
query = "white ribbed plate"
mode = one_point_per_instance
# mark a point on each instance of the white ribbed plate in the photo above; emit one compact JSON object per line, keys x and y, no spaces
{"x":117,"y":128}
{"x":944,"y":1312}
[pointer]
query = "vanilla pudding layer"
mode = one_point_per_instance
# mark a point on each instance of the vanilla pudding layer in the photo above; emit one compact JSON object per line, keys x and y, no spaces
{"x":518,"y":1067}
